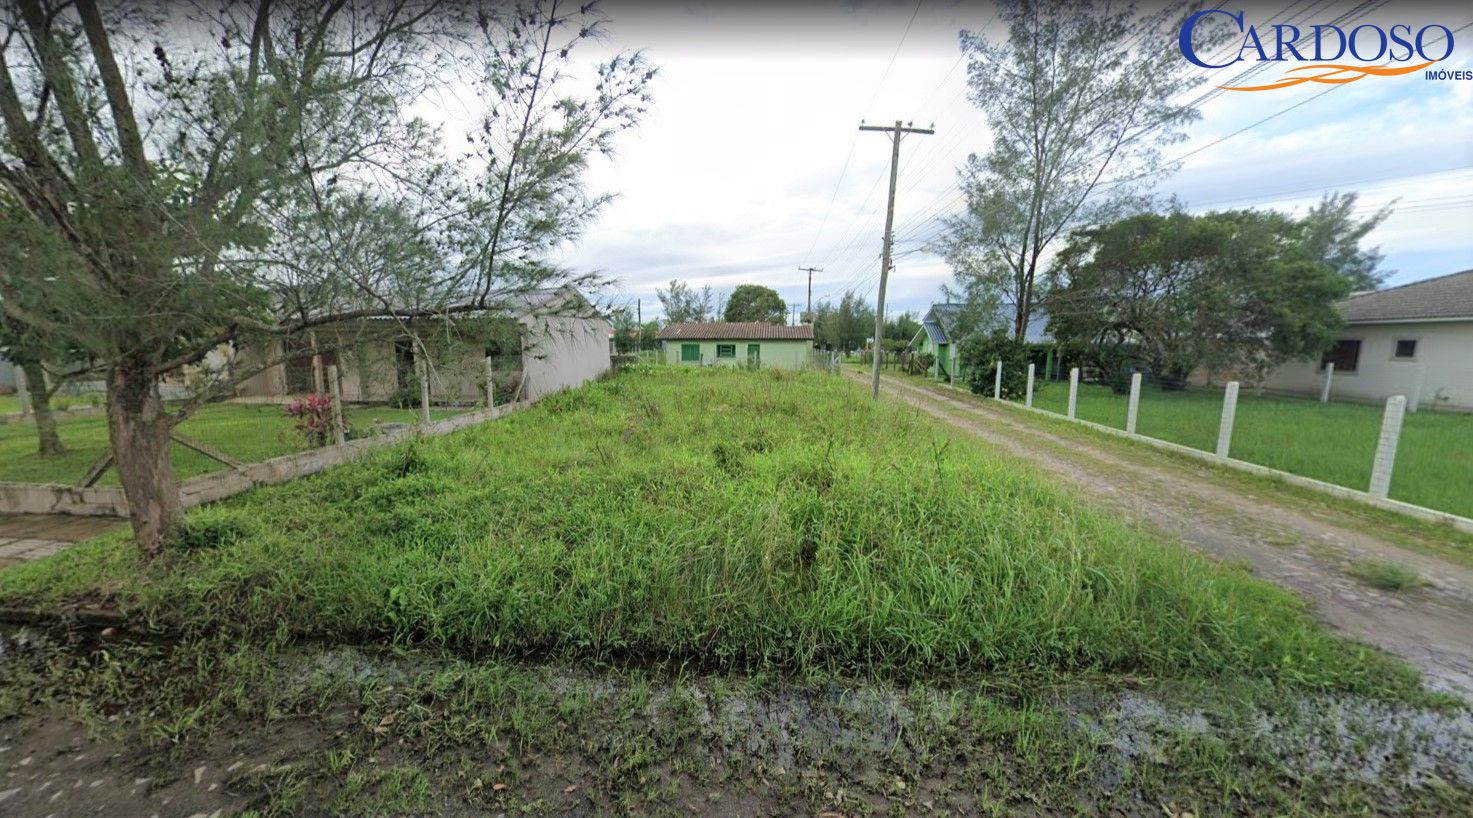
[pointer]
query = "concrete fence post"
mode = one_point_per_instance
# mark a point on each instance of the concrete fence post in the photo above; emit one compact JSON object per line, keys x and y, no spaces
{"x":1028,"y":399}
{"x":1135,"y":403}
{"x":1329,"y":376}
{"x":1073,"y":391}
{"x":339,"y":431}
{"x":22,"y":391}
{"x":491,"y":383}
{"x":1385,"y":460}
{"x":997,"y":382}
{"x":1229,"y":411}
{"x":1414,"y":400}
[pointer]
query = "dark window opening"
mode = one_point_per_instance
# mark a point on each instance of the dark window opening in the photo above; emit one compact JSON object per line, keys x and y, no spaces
{"x":1406,"y":348}
{"x":726,"y":350}
{"x":1345,"y":355}
{"x":403,"y":363}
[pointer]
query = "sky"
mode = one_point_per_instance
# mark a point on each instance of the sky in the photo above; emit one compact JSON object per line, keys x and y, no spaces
{"x":751,"y":163}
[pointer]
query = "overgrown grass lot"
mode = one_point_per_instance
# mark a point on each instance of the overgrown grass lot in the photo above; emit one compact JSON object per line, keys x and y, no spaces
{"x":731,"y":519}
{"x":1333,"y":442}
{"x":248,"y":432}
{"x":718,"y":591}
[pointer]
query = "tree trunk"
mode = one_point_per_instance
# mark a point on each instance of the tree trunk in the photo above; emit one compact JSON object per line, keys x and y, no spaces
{"x":139,"y":431}
{"x":47,"y":440}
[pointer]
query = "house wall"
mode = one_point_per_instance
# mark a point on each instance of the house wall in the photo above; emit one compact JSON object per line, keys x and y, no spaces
{"x":780,"y":354}
{"x":943,"y":353}
{"x":7,"y":376}
{"x":562,"y":352}
{"x":1444,"y":353}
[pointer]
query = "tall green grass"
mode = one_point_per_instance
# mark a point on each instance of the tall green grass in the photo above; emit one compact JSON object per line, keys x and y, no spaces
{"x":733,"y":518}
{"x":1333,"y":442}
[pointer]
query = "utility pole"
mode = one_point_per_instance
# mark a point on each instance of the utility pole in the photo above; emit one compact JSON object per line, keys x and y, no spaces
{"x":895,"y":132}
{"x":810,"y":271}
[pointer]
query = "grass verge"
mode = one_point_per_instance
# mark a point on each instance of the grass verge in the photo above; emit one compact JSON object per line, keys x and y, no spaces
{"x":736,"y":520}
{"x":1432,"y":538}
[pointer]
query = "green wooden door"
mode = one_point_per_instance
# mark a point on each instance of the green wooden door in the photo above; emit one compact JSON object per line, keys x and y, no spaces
{"x":690,"y":353}
{"x":754,"y":354}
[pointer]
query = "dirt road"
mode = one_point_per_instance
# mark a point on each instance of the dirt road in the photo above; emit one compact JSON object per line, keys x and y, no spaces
{"x":1287,"y":540}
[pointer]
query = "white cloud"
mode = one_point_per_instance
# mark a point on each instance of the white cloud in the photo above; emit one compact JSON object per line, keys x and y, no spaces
{"x":756,"y":113}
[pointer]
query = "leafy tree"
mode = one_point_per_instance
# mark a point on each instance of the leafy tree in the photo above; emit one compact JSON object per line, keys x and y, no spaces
{"x":684,"y":305}
{"x":1236,"y":290}
{"x":979,"y":356}
{"x":1080,"y":99}
{"x":902,"y":327}
{"x":170,"y":193}
{"x":754,"y":302}
{"x":845,"y":327}
{"x":649,"y":335}
{"x":1333,"y":235}
{"x":626,"y":329}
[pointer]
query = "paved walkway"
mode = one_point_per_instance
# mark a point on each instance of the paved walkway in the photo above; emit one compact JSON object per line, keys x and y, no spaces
{"x":33,"y":536}
{"x":1303,"y":546}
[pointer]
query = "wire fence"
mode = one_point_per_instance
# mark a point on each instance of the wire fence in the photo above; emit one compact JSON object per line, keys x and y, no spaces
{"x":1394,"y":449}
{"x":292,"y":411}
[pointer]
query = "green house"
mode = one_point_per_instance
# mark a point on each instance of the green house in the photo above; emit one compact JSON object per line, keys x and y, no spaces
{"x":934,"y":338}
{"x":733,"y":344}
{"x":939,"y":336}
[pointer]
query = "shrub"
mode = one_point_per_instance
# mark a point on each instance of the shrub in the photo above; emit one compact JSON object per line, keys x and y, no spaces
{"x":979,"y":356}
{"x":313,"y":416}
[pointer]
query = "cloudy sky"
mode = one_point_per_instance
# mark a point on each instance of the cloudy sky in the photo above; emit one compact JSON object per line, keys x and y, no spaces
{"x":751,"y":163}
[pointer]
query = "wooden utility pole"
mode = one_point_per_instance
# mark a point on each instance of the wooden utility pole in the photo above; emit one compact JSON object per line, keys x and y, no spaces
{"x":896,"y":132}
{"x":810,"y":271}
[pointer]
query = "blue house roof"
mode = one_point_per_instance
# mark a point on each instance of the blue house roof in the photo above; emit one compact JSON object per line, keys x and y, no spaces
{"x":940,"y":316}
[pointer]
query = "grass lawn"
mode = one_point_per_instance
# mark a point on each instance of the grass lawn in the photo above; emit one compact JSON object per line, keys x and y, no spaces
{"x":691,"y":590}
{"x":1331,"y":442}
{"x":248,"y":432}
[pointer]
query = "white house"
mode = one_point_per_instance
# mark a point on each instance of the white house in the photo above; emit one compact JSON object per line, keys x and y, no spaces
{"x":1414,"y":340}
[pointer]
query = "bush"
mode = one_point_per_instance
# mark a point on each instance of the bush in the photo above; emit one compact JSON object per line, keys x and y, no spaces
{"x":314,"y":418}
{"x":979,"y":356}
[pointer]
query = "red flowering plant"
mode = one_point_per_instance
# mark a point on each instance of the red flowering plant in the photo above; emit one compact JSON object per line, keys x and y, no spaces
{"x":314,"y":418}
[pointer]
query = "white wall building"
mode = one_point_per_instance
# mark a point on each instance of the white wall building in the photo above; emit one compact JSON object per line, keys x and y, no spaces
{"x":1414,"y":340}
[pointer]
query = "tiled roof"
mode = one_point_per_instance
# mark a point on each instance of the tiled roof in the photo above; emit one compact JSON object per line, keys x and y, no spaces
{"x":1449,"y":296}
{"x":745,"y":331}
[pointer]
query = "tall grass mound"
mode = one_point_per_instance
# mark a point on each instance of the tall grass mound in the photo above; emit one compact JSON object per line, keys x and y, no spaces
{"x":737,"y":519}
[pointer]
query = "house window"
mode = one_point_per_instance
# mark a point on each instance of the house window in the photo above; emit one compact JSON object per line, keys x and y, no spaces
{"x":726,"y":350}
{"x":1406,"y":348}
{"x":1345,"y":354}
{"x":690,"y":353}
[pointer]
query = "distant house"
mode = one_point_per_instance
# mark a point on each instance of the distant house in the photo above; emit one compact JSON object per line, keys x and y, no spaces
{"x":938,"y":336}
{"x":1414,"y":340}
{"x":721,"y":343}
{"x":7,"y":377}
{"x":544,"y":341}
